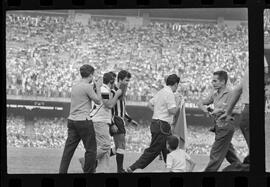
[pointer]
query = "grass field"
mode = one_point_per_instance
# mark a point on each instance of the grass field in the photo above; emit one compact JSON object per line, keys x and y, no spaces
{"x":267,"y":142}
{"x":39,"y":160}
{"x":35,"y":160}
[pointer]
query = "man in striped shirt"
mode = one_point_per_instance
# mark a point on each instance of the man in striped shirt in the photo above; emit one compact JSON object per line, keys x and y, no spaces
{"x":118,"y":132}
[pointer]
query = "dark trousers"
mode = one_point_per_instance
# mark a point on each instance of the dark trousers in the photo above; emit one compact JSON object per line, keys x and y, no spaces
{"x":244,"y":126}
{"x":244,"y":123}
{"x":222,"y":148}
{"x":77,"y":131}
{"x":159,"y":134}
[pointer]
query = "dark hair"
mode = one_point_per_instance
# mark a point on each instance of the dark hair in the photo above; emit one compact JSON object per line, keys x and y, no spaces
{"x":86,"y":70}
{"x":173,"y":142}
{"x":108,"y":78}
{"x":113,"y":74}
{"x":222,"y":75}
{"x":172,"y":79}
{"x":123,"y":74}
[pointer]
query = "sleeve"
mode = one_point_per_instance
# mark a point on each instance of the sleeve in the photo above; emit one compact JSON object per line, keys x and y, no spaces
{"x":129,"y":119}
{"x":209,"y":99}
{"x":152,"y":101}
{"x":170,"y":101}
{"x":90,"y":92}
{"x":105,"y":93}
{"x":169,"y":161}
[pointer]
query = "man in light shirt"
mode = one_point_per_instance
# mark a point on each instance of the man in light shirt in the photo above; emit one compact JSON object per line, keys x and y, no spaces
{"x":222,"y":147}
{"x":243,"y":91}
{"x":164,"y":106}
{"x":101,"y":117}
{"x":80,"y":126}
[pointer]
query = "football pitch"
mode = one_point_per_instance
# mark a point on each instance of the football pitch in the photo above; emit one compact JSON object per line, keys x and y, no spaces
{"x":40,"y":160}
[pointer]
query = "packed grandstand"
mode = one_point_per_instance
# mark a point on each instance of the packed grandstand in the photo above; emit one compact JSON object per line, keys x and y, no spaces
{"x":44,"y":53}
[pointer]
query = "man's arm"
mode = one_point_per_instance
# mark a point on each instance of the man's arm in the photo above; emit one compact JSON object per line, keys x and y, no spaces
{"x":110,"y":103}
{"x":96,"y":97}
{"x":171,"y":104}
{"x":150,"y":104}
{"x":203,"y":103}
{"x":234,"y":99}
{"x":173,"y":110}
{"x":236,"y":93}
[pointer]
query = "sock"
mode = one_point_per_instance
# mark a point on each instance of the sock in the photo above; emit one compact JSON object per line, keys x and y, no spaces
{"x":119,"y":161}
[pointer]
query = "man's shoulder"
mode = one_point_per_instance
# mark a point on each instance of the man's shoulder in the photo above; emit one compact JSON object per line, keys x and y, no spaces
{"x":105,"y":88}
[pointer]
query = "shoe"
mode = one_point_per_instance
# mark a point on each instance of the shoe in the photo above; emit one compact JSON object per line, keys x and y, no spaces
{"x":129,"y":170}
{"x":81,"y":160}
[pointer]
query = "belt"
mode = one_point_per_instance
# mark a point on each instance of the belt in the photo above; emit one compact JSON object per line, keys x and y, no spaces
{"x":161,"y":121}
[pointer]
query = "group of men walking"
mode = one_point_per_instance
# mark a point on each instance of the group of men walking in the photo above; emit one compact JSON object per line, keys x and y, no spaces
{"x":95,"y":125}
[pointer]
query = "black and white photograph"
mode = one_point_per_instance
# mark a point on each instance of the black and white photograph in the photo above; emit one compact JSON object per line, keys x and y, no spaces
{"x":130,"y":90}
{"x":267,"y":86}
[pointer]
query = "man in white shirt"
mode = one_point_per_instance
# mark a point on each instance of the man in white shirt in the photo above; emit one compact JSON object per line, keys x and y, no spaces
{"x":101,"y":117}
{"x":164,"y":106}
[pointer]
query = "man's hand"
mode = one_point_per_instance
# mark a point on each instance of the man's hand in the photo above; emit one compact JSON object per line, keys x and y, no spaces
{"x":217,"y":111}
{"x":114,"y":128}
{"x":135,"y":123}
{"x":226,"y":117}
{"x":118,"y":92}
{"x":99,"y":83}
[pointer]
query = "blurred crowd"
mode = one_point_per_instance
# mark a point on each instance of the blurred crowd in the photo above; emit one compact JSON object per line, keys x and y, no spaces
{"x":266,"y":25}
{"x":52,"y":133}
{"x":44,"y":54}
{"x":267,"y":73}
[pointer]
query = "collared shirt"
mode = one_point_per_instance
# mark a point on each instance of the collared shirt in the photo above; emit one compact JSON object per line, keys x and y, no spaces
{"x":163,"y":101}
{"x":220,"y":101}
{"x":245,"y":88}
{"x":120,"y":108}
{"x":81,"y":97}
{"x":102,"y":113}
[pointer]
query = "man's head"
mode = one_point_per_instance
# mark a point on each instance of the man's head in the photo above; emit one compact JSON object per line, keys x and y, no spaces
{"x":173,"y":81}
{"x":172,"y":143}
{"x":114,"y":76}
{"x":123,"y":77}
{"x":108,"y":79}
{"x":87,"y":72}
{"x":220,"y":79}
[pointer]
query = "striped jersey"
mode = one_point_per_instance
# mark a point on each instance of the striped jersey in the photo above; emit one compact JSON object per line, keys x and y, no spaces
{"x":120,"y":108}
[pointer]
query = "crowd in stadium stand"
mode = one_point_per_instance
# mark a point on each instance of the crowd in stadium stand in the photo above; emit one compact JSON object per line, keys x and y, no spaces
{"x":52,"y":133}
{"x":266,"y":24}
{"x":44,"y":54}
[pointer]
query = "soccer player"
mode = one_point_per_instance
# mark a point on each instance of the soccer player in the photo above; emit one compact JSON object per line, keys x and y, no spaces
{"x":118,"y":131}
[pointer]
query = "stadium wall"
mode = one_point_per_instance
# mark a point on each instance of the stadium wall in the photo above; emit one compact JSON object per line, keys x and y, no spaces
{"x":50,"y":109}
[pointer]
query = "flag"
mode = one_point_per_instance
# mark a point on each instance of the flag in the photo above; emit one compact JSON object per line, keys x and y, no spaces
{"x":179,"y":126}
